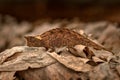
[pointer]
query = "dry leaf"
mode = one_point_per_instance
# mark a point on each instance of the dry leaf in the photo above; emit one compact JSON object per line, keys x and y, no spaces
{"x":78,"y":51}
{"x":102,"y":54}
{"x":75,"y":63}
{"x":118,"y":69}
{"x":103,"y":72}
{"x":29,"y":57}
{"x":97,"y":60}
{"x":7,"y":75}
{"x":55,"y":71}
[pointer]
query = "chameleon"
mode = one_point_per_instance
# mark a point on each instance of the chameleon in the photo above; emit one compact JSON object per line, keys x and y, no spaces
{"x":60,"y":37}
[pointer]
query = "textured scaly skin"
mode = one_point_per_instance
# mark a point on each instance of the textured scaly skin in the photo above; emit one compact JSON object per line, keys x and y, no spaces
{"x":60,"y":37}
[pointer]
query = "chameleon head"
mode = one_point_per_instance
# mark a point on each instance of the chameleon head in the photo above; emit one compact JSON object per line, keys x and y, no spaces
{"x":33,"y":41}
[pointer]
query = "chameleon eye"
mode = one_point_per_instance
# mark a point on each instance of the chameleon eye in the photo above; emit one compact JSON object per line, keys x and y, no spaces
{"x":38,"y":37}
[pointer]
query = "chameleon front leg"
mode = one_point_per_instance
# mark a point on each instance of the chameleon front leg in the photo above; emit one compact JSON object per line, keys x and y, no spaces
{"x":57,"y":50}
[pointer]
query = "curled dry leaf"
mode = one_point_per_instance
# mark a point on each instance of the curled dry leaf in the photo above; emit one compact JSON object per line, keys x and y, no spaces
{"x":7,"y":53}
{"x":22,"y":58}
{"x":74,"y":63}
{"x":88,"y":52}
{"x":118,"y":69}
{"x":103,"y":72}
{"x":102,"y":54}
{"x":78,"y":51}
{"x":29,"y":57}
{"x":55,"y":71}
{"x":7,"y":75}
{"x":96,"y":59}
{"x":35,"y":57}
{"x":92,"y":54}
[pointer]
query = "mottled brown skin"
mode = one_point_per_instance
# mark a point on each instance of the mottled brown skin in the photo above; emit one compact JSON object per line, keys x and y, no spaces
{"x":60,"y":37}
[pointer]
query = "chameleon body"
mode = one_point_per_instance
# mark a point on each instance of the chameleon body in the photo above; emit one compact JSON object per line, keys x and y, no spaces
{"x":60,"y":37}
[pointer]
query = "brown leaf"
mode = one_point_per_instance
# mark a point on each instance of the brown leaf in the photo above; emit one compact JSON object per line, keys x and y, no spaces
{"x":96,"y":59}
{"x":7,"y":75}
{"x":102,"y":54}
{"x":103,"y":72}
{"x":118,"y":69}
{"x":29,"y":57}
{"x":55,"y":71}
{"x":88,"y":52}
{"x":78,"y":51}
{"x":75,"y":63}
